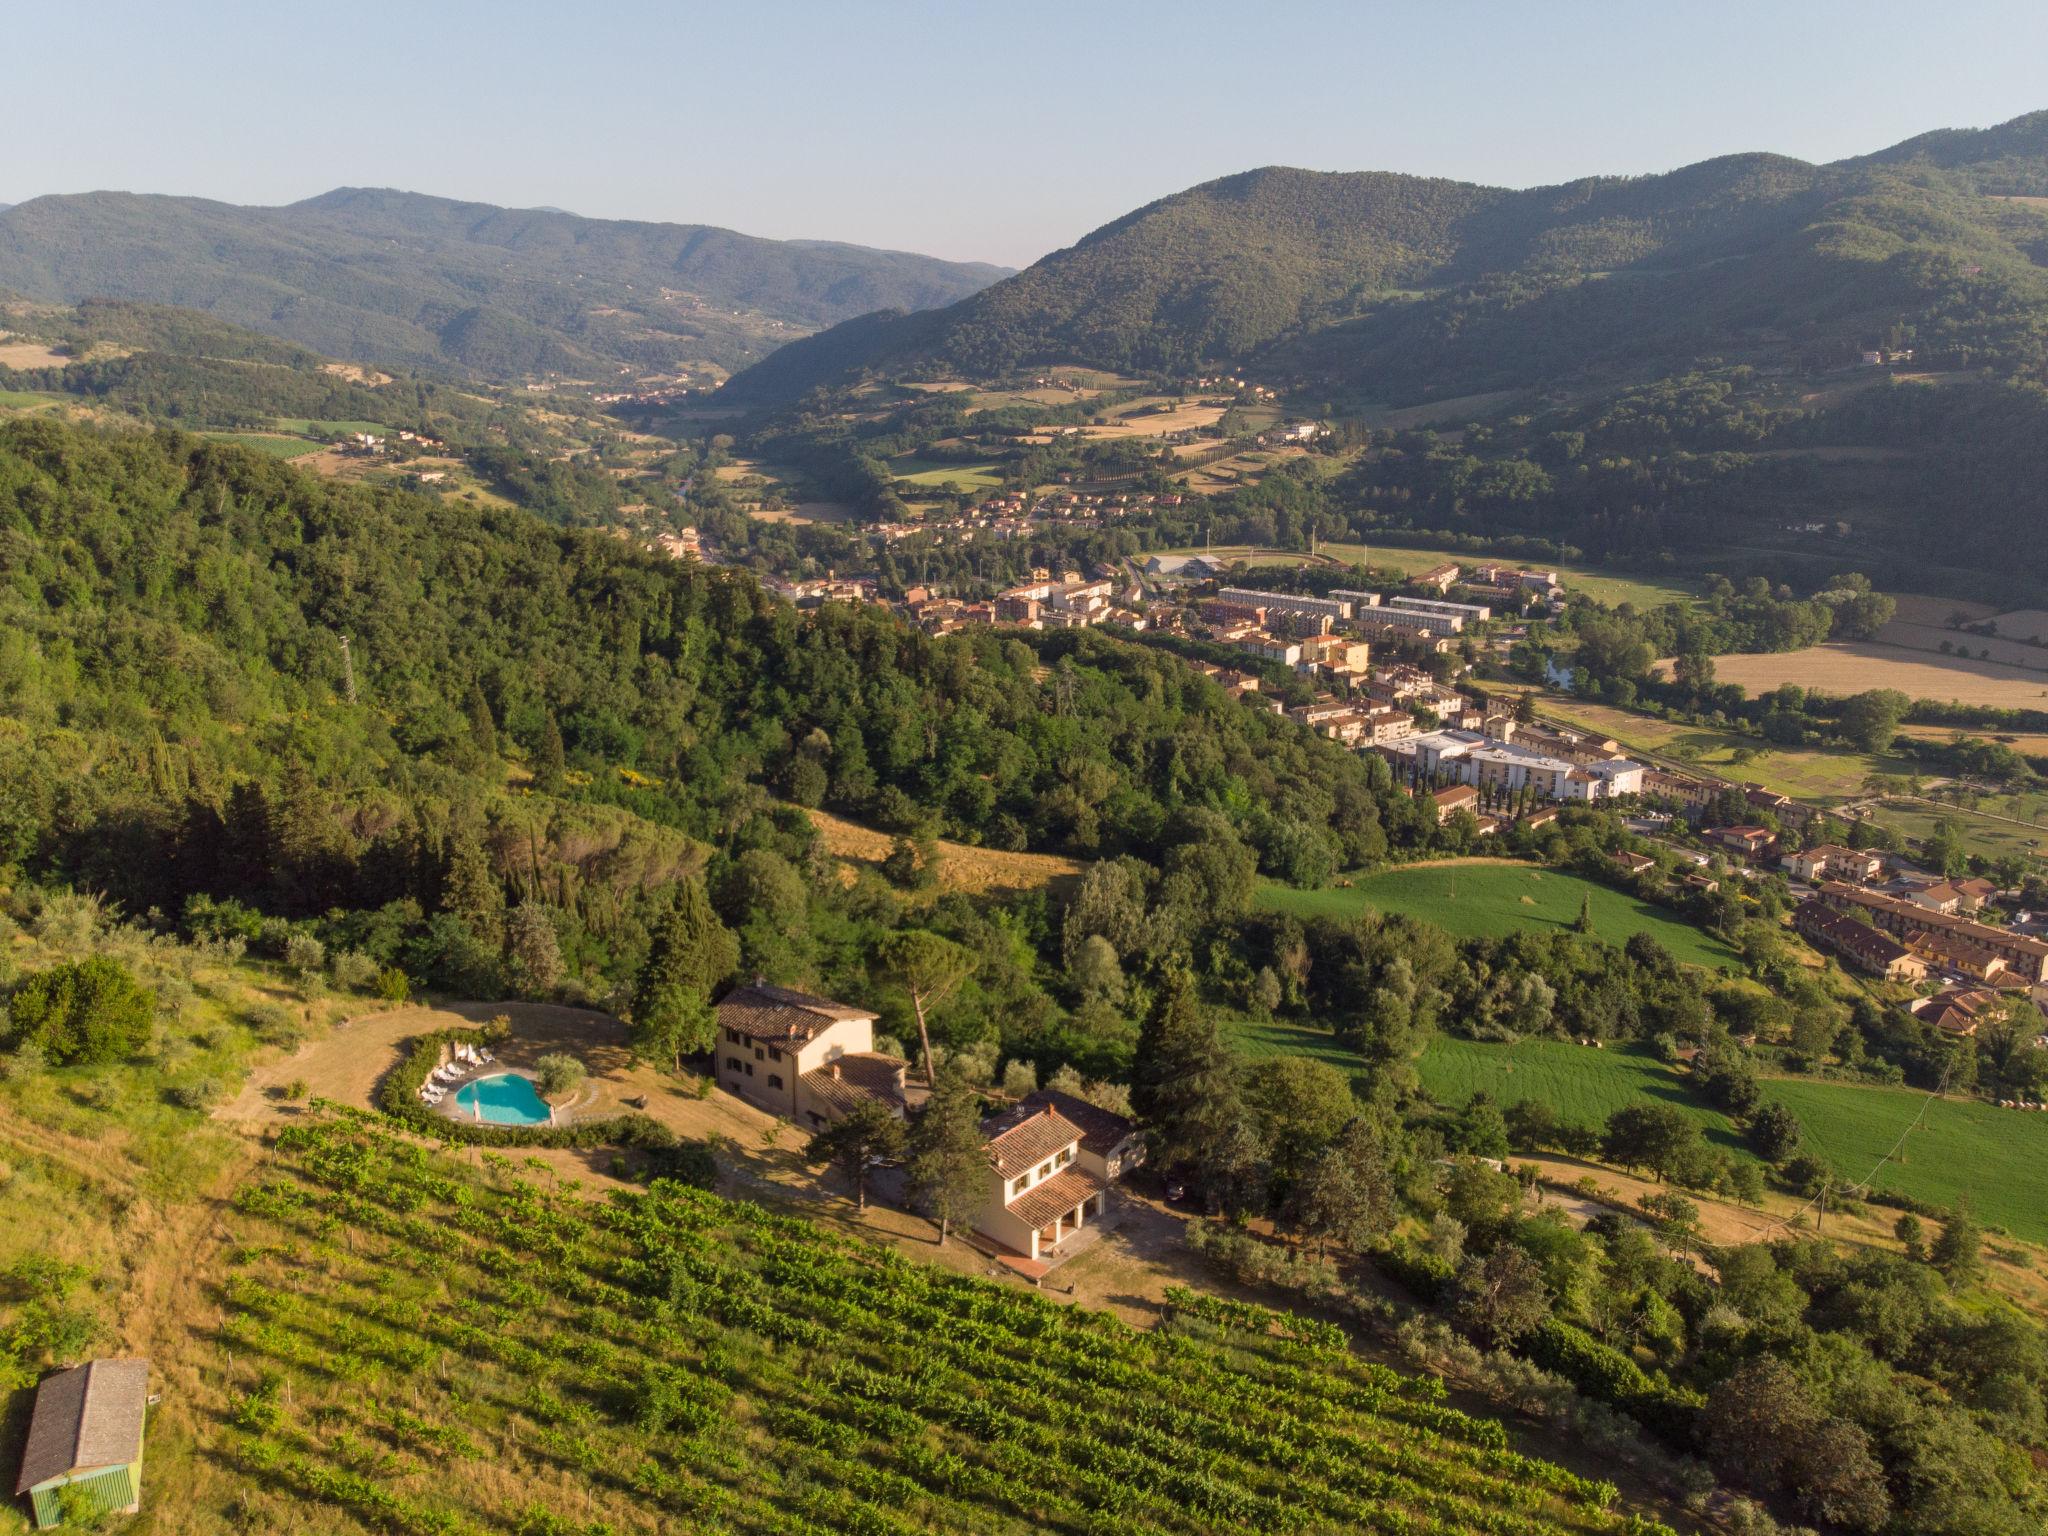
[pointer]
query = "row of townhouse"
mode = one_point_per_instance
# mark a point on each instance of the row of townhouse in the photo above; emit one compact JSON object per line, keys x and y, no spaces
{"x":1945,"y":938}
{"x":1052,"y":1158}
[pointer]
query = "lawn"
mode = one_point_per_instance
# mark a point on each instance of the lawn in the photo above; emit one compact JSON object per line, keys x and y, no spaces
{"x":912,"y":470}
{"x":25,"y":400}
{"x":1963,"y":1146}
{"x":1490,"y":899}
{"x":1580,"y":1082}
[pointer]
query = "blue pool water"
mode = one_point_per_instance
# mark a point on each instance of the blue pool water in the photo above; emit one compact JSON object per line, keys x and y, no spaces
{"x":505,"y":1099}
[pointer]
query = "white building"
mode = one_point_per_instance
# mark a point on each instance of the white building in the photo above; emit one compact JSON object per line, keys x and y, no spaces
{"x":1467,"y":757}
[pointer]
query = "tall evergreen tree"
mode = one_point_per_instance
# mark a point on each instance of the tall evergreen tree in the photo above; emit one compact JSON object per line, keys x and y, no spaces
{"x":1184,"y":1084}
{"x":691,"y":955}
{"x":471,"y":889}
{"x":948,"y":1158}
{"x":549,"y":761}
{"x":483,"y":730}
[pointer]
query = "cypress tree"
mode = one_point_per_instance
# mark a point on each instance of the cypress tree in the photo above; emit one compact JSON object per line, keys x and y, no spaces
{"x":483,"y":730}
{"x":549,"y":764}
{"x":692,"y":953}
{"x":948,"y":1159}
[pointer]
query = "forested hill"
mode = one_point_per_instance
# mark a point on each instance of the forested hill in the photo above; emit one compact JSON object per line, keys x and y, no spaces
{"x":1397,"y":286}
{"x":402,"y":279}
{"x":171,"y":623}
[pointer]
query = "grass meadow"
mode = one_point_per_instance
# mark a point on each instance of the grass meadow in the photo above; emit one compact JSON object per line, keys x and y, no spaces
{"x":1490,"y":900}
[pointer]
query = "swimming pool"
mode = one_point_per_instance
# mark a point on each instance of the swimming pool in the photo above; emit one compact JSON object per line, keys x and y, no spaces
{"x":503,"y":1099}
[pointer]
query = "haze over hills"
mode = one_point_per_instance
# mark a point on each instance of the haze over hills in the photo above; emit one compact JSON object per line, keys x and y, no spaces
{"x":400,"y":278}
{"x":1394,"y":287}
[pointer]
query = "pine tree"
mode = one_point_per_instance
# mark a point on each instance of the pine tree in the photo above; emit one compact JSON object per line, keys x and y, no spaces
{"x":948,"y":1159}
{"x":1184,"y":1083}
{"x":928,"y":967}
{"x":866,"y":1133}
{"x":549,"y":762}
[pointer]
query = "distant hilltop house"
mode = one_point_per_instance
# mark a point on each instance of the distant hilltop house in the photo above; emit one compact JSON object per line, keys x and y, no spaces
{"x":83,"y":1456}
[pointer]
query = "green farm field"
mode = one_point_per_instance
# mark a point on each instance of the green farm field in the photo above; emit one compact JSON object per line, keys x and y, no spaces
{"x":1962,"y":1147}
{"x":306,"y":424}
{"x":912,"y":470}
{"x":276,"y":446}
{"x":1492,"y":898}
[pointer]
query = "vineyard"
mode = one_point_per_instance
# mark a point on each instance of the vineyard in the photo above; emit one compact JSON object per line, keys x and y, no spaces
{"x":416,"y":1346}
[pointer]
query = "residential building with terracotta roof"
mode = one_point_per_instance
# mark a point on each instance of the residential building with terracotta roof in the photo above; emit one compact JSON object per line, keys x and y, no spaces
{"x":1831,"y":861}
{"x":1863,"y":946}
{"x":806,"y":1058}
{"x":1038,"y":1191}
{"x":2025,"y":957}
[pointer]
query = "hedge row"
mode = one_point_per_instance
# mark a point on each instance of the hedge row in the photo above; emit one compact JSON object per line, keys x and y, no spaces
{"x":400,"y":1099}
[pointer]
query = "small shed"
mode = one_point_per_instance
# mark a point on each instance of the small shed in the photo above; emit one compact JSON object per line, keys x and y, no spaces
{"x":84,"y":1451}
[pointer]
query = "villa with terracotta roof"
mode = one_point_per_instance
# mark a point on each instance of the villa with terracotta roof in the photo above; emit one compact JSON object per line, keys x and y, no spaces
{"x":806,"y":1058}
{"x":1039,"y":1189}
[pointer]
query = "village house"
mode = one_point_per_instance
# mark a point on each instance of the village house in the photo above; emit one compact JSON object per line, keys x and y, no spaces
{"x":1038,"y":1192}
{"x":1939,"y":896}
{"x":805,"y":1058}
{"x":1753,"y":843}
{"x":1636,"y":864}
{"x":1958,"y":1011}
{"x":1950,"y":951}
{"x":1442,"y":577}
{"x":1446,"y":803}
{"x":1831,"y":861}
{"x":1858,"y":943}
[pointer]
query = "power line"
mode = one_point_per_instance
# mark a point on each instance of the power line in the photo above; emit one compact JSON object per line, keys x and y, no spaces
{"x":1862,"y":1186}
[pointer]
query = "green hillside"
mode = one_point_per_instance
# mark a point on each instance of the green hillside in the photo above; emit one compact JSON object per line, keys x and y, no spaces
{"x":398,"y":278}
{"x":1492,"y":900}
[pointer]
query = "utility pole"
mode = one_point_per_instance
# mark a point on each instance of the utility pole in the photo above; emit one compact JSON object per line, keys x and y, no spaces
{"x":348,"y":671}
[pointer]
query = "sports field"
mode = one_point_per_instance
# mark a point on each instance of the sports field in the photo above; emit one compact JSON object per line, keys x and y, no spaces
{"x":1488,"y":898}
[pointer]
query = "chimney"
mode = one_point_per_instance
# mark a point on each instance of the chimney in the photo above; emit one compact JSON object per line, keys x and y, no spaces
{"x":835,"y":1071}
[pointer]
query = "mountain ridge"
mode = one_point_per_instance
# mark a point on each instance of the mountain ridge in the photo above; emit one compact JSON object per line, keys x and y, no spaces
{"x":1364,"y":280}
{"x":387,"y":276}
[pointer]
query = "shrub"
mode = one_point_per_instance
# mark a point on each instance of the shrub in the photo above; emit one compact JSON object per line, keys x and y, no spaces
{"x":88,"y":1012}
{"x":558,"y":1075}
{"x":353,"y":971}
{"x":393,"y":985}
{"x":196,"y":1095}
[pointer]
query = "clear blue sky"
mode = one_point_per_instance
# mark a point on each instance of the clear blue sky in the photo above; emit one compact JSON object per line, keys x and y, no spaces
{"x":978,"y":130}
